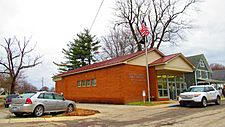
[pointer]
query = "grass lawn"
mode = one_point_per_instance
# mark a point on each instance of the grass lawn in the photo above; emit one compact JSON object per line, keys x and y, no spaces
{"x":152,"y":103}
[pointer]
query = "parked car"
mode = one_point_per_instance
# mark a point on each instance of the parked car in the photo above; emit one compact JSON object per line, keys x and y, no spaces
{"x":8,"y":99}
{"x":38,"y":103}
{"x":200,"y":94}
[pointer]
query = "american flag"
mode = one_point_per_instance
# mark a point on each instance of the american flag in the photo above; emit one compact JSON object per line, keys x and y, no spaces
{"x":144,"y":30}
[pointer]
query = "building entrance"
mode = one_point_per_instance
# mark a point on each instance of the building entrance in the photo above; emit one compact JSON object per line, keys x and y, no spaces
{"x":172,"y":90}
{"x":170,"y":86}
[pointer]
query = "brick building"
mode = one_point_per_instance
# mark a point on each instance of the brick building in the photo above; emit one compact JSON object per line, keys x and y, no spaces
{"x":123,"y":79}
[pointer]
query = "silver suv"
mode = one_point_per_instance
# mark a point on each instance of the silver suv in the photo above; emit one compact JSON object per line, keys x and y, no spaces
{"x":201,"y":94}
{"x":39,"y":103}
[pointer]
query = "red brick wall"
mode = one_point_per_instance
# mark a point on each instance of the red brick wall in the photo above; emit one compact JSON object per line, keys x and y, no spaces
{"x":58,"y":86}
{"x":153,"y":83}
{"x":134,"y":82}
{"x":107,"y":89}
{"x":116,"y":84}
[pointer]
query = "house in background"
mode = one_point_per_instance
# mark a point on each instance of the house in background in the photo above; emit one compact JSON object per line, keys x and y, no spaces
{"x":202,"y":73}
{"x":219,"y":75}
{"x":123,"y":79}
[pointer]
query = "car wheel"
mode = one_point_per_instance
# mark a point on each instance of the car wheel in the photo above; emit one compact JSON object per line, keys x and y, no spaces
{"x":204,"y":102}
{"x":70,"y":108}
{"x":38,"y":111}
{"x":18,"y":114}
{"x":218,"y":100}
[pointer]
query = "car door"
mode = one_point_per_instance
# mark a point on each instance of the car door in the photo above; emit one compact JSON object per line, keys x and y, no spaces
{"x":49,"y":102}
{"x":207,"y":93}
{"x":60,"y":102}
{"x":44,"y":101}
{"x":212,"y":93}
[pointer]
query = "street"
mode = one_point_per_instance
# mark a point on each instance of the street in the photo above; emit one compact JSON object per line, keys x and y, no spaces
{"x":167,"y":115}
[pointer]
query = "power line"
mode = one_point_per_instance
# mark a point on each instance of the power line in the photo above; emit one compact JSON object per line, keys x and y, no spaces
{"x":96,"y":15}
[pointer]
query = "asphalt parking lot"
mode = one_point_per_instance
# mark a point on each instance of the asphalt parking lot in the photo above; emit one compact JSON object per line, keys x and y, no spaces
{"x":106,"y":111}
{"x":125,"y":115}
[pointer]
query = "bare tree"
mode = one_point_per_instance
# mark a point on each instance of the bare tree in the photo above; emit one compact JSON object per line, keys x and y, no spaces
{"x":23,"y":86}
{"x":118,"y":43}
{"x":166,"y":19}
{"x":44,"y":88}
{"x":216,"y":66}
{"x":5,"y":82}
{"x":17,"y":58}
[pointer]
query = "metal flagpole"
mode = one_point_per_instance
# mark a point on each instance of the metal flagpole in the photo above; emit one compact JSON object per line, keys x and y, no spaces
{"x":147,"y":73}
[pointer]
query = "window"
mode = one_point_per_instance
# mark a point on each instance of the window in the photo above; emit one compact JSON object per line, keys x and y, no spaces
{"x":88,"y":83}
{"x":83,"y":83}
{"x":78,"y":83}
{"x":211,"y":89}
{"x":93,"y":82}
{"x":162,"y":89}
{"x":58,"y":97}
{"x":204,"y":74}
{"x":48,"y":96}
{"x":41,"y":96}
{"x":201,"y":63}
{"x":199,"y":74}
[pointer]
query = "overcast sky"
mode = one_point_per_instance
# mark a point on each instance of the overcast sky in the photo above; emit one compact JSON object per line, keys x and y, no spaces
{"x":53,"y":23}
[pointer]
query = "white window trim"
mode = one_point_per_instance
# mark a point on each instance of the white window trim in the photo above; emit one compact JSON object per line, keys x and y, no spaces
{"x":207,"y":73}
{"x":201,"y":63}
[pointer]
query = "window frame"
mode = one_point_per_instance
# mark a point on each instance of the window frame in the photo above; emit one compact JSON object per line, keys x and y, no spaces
{"x":93,"y":82}
{"x":83,"y":83}
{"x":88,"y":83}
{"x":79,"y":83}
{"x":201,"y":63}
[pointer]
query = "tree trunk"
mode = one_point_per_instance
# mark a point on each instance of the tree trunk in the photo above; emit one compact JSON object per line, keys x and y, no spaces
{"x":12,"y":90}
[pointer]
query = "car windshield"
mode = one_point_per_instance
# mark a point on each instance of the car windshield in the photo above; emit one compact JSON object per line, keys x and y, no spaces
{"x":27,"y":95}
{"x":196,"y":89}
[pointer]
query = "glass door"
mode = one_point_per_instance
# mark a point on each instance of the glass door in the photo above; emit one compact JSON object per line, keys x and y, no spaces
{"x":172,"y":90}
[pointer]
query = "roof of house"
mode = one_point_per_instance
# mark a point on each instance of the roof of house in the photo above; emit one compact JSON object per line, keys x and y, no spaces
{"x":165,"y":59}
{"x":107,"y":63}
{"x":219,"y":75}
{"x":195,"y":61}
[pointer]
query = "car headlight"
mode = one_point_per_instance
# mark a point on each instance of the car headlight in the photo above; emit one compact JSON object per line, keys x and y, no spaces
{"x":196,"y":95}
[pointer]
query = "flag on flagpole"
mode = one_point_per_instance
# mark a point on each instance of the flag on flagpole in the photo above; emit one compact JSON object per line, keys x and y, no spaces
{"x":144,"y":29}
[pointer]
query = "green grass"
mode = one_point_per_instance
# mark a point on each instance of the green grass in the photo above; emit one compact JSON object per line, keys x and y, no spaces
{"x":152,"y":103}
{"x":141,"y":103}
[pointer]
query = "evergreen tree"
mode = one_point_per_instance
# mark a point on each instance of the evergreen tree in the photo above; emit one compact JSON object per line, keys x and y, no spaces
{"x":79,"y":52}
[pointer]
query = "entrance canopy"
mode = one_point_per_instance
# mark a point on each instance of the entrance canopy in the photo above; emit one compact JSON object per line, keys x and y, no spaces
{"x":173,"y":64}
